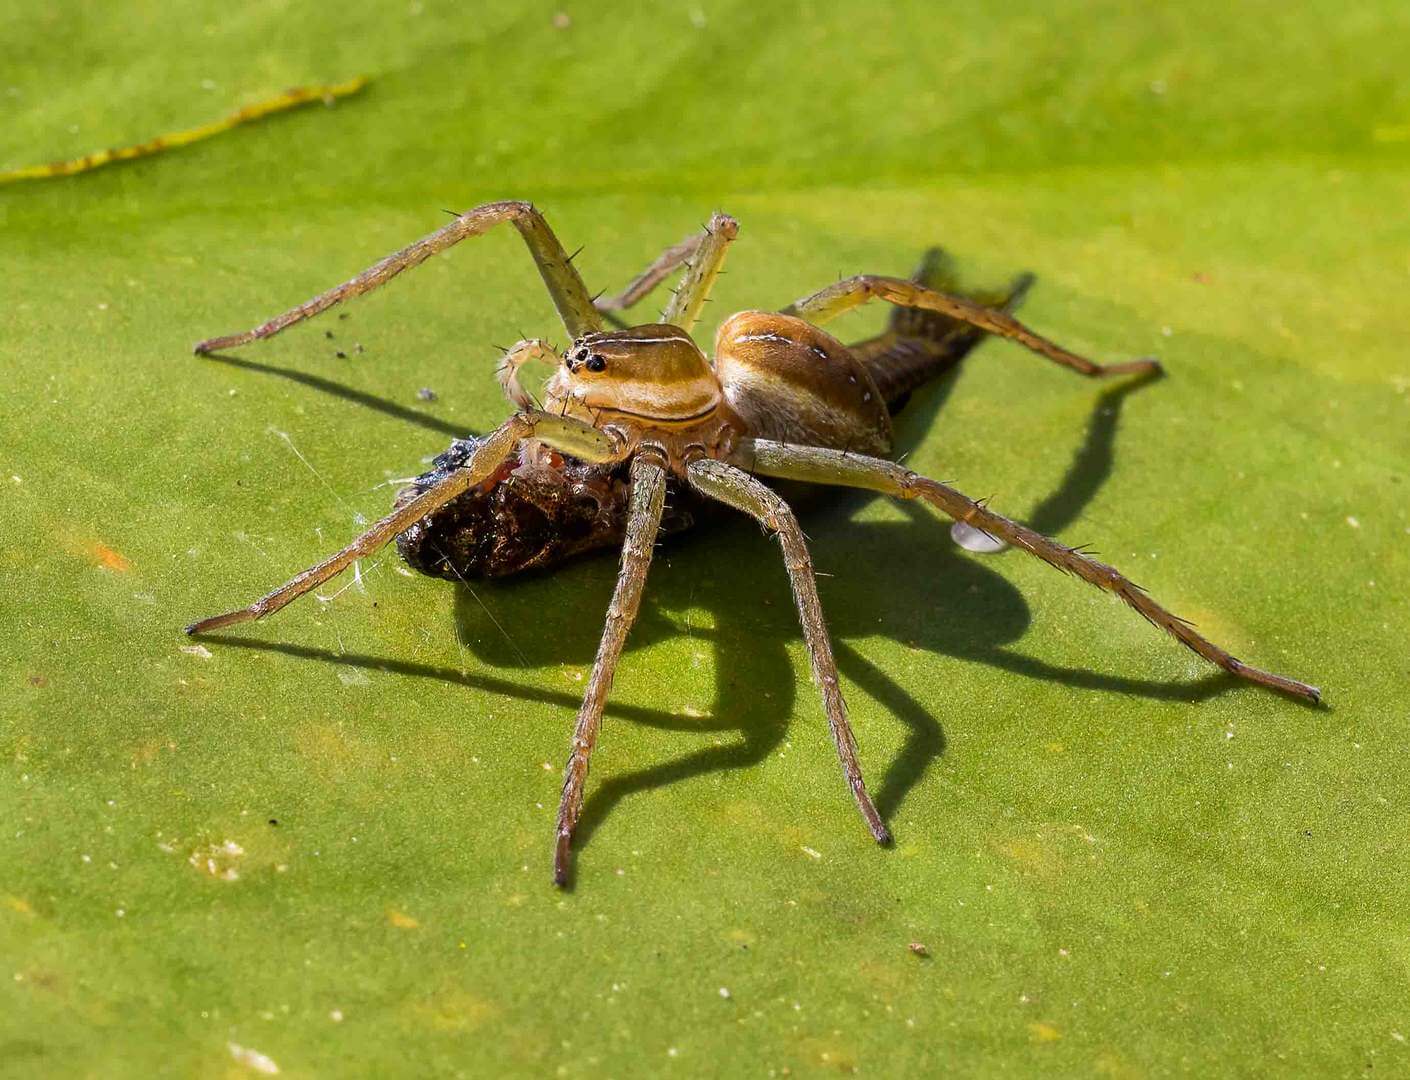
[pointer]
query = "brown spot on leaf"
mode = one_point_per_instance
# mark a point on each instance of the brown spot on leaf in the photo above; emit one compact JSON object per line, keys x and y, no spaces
{"x":19,"y":904}
{"x":106,"y":557}
{"x":401,"y":920}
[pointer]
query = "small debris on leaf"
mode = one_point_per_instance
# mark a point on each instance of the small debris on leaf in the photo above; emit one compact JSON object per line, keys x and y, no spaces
{"x":253,"y":1059}
{"x":220,"y":861}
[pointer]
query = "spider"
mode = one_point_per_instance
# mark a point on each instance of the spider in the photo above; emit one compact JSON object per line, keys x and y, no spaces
{"x":634,"y":410}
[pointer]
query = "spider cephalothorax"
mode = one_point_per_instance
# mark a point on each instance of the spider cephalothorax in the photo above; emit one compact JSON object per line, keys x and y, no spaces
{"x":652,"y":385}
{"x":627,"y":411}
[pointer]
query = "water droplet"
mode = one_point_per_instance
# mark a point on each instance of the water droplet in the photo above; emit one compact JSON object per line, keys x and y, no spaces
{"x":976,"y":540}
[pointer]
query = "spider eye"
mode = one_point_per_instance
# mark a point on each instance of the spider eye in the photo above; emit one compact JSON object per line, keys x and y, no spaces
{"x":596,"y":363}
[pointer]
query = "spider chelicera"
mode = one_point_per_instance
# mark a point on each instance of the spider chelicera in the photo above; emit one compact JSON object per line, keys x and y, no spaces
{"x":780,"y":398}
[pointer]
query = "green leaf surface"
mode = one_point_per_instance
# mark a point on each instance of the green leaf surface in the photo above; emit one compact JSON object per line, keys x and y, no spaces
{"x":323,"y":843}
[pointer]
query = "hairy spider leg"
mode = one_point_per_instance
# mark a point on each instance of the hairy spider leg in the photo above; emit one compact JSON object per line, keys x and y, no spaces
{"x":823,"y":466}
{"x":561,"y":433}
{"x":703,"y":255}
{"x":565,"y":286}
{"x":741,"y":491}
{"x":657,"y":271}
{"x":648,"y":498}
{"x":694,"y":290}
{"x":852,"y":292}
{"x":929,"y":330}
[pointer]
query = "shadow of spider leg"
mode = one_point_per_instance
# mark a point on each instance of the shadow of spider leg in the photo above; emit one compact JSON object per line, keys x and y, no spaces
{"x":648,"y":500}
{"x":565,"y":286}
{"x":738,"y":489}
{"x":828,"y":303}
{"x":823,"y":466}
{"x":569,"y":436}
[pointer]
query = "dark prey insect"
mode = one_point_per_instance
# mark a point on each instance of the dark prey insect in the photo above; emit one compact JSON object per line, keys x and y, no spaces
{"x":630,"y":412}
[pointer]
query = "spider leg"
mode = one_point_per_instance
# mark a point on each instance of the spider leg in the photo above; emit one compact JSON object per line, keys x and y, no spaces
{"x":852,"y":292}
{"x":930,"y":329}
{"x":823,"y":466}
{"x":656,"y":272}
{"x":565,"y":286}
{"x":648,"y":495}
{"x":569,"y":436}
{"x":703,"y":255}
{"x":694,"y":289}
{"x":738,"y":489}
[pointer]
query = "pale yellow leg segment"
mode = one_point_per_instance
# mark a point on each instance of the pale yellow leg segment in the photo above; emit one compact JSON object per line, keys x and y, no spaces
{"x":289,"y":99}
{"x":648,"y":497}
{"x":522,"y":353}
{"x":703,"y":255}
{"x":570,"y":295}
{"x":738,"y":489}
{"x":694,"y":290}
{"x":854,"y":291}
{"x":658,"y":271}
{"x":569,"y":436}
{"x":822,"y":466}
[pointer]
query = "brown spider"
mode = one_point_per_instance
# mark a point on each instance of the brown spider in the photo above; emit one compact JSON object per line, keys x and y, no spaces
{"x":642,"y":406}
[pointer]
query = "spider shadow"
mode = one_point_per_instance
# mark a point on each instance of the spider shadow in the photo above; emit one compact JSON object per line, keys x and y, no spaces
{"x":345,"y":392}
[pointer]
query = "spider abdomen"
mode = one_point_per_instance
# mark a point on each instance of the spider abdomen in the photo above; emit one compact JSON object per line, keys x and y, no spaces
{"x":793,"y":382}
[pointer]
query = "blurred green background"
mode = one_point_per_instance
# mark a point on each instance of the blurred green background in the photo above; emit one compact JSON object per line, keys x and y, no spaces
{"x":323,"y":844}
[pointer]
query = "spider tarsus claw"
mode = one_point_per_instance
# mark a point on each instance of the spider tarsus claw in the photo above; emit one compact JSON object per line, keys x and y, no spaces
{"x":880,"y":833}
{"x":1145,"y":365}
{"x":1272,"y":681}
{"x":561,"y":859}
{"x":218,"y":622}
